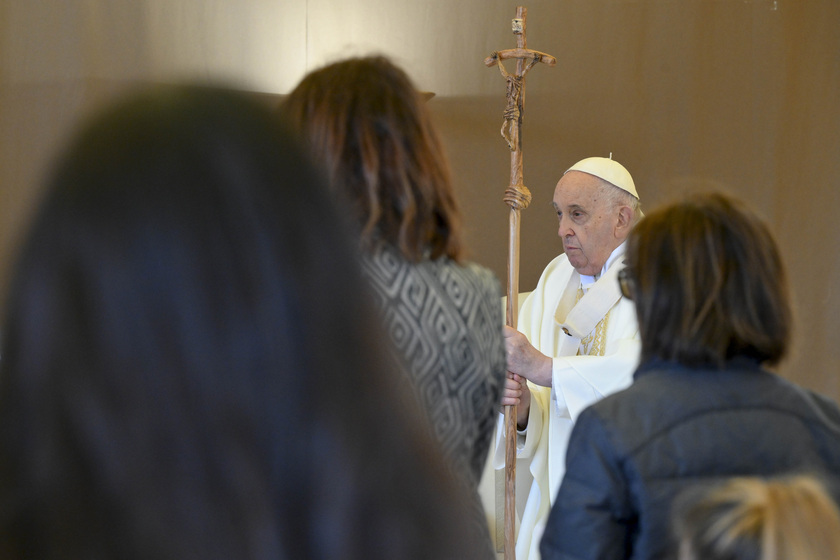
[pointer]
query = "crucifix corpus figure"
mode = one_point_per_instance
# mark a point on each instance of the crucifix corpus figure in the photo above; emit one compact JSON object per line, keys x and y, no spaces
{"x":517,"y":197}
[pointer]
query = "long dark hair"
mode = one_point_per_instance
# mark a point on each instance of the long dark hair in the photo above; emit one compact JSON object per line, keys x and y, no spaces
{"x":710,"y":284}
{"x":190,"y":364}
{"x":367,"y":125}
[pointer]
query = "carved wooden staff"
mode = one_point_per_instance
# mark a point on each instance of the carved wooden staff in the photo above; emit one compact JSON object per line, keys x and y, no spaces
{"x":517,"y":197}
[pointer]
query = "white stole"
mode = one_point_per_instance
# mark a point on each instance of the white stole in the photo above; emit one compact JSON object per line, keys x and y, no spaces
{"x":576,"y":320}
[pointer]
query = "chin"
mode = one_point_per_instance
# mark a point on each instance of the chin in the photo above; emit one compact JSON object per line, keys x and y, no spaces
{"x":577,"y":265}
{"x":586,"y":271}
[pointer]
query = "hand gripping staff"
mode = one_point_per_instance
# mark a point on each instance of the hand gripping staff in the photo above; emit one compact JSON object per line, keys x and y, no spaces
{"x":517,"y":197}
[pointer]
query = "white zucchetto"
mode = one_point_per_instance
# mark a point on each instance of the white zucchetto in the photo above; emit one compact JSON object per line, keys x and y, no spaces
{"x":609,"y":170}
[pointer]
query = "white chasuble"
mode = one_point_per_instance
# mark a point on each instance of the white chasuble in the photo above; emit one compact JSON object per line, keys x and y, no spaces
{"x":594,"y":343}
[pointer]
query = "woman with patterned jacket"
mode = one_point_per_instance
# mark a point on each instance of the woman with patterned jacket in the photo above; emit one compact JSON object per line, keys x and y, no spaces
{"x":368,"y":126}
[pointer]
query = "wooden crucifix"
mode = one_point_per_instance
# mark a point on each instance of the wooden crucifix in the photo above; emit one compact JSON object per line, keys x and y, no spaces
{"x":517,"y":197}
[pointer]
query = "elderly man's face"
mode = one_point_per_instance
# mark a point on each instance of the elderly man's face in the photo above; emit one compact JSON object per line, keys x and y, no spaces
{"x":588,"y":222}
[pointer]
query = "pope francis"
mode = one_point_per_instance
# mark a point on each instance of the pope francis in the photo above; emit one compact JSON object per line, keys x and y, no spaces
{"x":578,"y":339}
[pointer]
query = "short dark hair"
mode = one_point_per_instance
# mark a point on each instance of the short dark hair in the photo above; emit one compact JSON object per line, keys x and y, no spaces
{"x":191,"y":366}
{"x":710,"y":284}
{"x":367,"y":124}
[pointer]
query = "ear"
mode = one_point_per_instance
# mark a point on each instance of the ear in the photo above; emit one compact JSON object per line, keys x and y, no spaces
{"x":623,"y":222}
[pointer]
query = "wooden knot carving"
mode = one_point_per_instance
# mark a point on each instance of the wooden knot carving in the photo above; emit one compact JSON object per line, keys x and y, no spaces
{"x":518,"y":197}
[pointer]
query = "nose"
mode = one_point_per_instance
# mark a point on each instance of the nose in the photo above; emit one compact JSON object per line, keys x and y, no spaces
{"x":564,"y":230}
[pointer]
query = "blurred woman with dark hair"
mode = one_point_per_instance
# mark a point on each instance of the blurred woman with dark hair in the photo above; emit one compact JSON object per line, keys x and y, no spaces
{"x":168,"y":388}
{"x":712,"y":300}
{"x":368,"y":128}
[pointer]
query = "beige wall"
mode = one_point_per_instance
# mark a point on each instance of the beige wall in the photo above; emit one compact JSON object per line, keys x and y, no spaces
{"x":741,"y":94}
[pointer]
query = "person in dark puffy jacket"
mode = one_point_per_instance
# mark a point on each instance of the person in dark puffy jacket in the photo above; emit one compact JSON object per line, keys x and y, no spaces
{"x":713,"y":306}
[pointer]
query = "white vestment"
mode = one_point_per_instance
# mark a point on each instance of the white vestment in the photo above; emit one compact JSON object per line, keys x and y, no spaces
{"x":577,"y":380}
